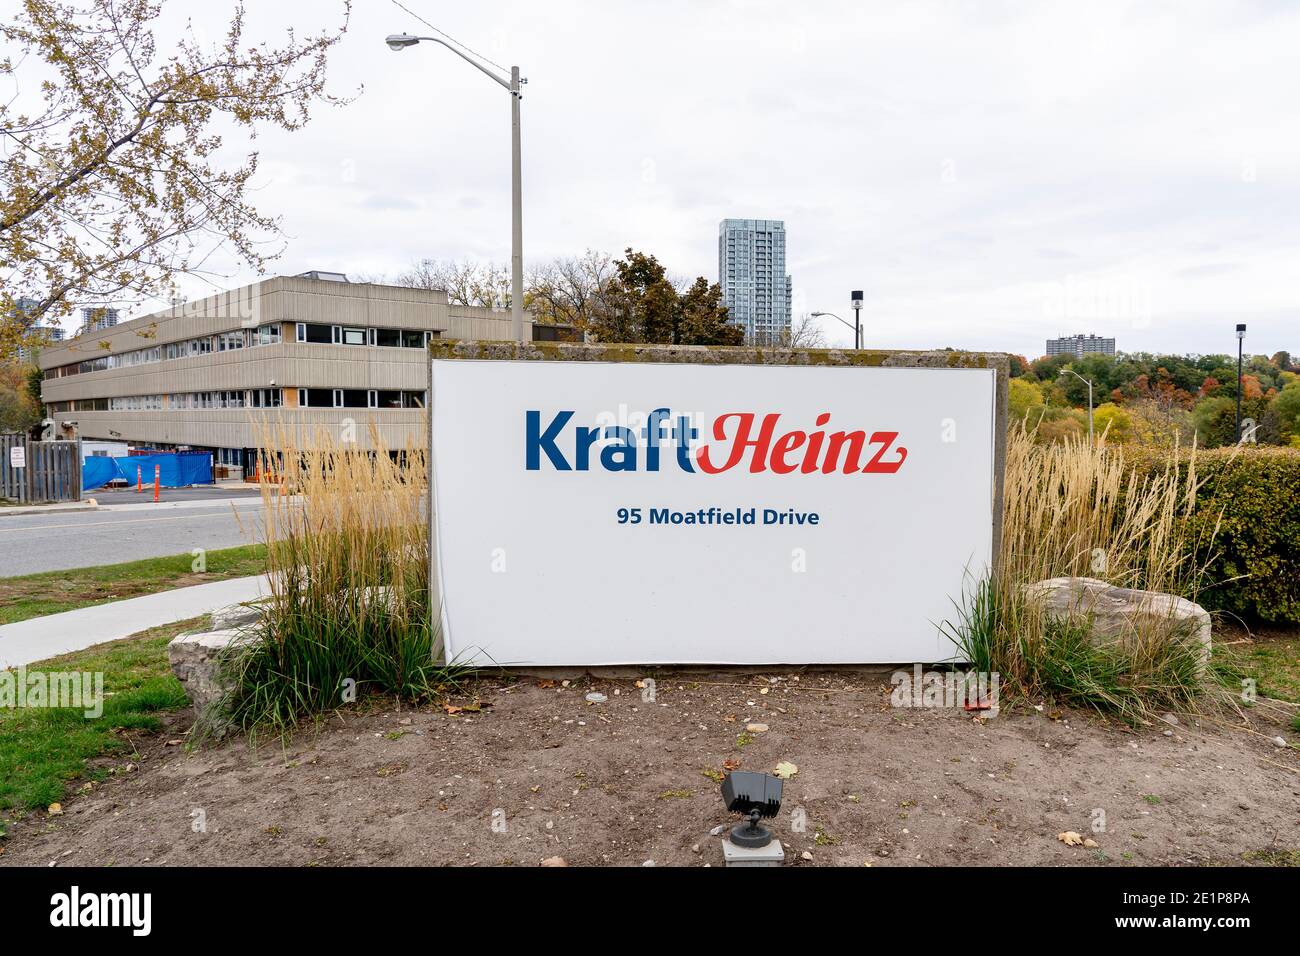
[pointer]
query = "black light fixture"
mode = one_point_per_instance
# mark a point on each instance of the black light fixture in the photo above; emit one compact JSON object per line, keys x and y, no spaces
{"x":757,"y":796}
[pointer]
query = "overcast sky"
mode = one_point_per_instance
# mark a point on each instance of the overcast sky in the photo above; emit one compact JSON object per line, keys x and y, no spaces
{"x":991,"y":174}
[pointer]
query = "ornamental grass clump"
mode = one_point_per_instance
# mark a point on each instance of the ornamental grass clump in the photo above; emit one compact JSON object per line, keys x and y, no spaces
{"x":1073,"y":509}
{"x":348,"y":561}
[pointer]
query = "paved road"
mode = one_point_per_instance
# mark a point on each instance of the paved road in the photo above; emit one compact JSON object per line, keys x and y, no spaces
{"x":58,"y":541}
{"x":129,"y":496}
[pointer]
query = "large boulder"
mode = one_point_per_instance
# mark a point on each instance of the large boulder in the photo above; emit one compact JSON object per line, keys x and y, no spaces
{"x":235,"y":616}
{"x":196,"y":660}
{"x":1119,"y":614}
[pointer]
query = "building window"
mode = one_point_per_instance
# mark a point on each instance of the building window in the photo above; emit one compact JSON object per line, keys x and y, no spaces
{"x":267,"y":335}
{"x":354,"y":336}
{"x":396,"y":399}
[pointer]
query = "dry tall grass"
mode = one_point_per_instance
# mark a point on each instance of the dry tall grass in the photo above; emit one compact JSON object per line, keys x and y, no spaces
{"x":1072,"y":509}
{"x":1075,"y":509}
{"x":348,"y":555}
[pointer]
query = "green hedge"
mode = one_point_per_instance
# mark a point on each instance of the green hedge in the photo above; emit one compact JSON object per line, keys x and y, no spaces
{"x":1257,"y":492}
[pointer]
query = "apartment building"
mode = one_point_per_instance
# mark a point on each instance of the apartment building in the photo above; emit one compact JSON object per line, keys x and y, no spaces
{"x":756,"y":289}
{"x":1080,"y":345}
{"x":308,"y":351}
{"x":95,"y":318}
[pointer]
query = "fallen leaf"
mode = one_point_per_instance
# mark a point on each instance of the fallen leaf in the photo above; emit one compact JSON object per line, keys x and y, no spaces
{"x":452,"y":709}
{"x":785,"y":770}
{"x":54,"y":809}
{"x":731,"y":763}
{"x":1070,"y":838}
{"x":546,"y":684}
{"x":554,"y":861}
{"x":1091,"y":844}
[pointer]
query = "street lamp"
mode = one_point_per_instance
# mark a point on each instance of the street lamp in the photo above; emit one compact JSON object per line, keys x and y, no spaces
{"x":856,"y":297}
{"x":845,"y":322}
{"x":400,"y":41}
{"x":1241,"y":336}
{"x":1089,"y":384}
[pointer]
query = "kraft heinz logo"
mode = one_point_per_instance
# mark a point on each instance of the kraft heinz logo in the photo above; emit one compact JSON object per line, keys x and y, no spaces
{"x":739,"y":439}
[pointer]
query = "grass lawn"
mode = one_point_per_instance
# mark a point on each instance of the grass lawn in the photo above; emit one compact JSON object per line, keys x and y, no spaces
{"x":1273,"y":660}
{"x":36,"y":595}
{"x":42,"y":750}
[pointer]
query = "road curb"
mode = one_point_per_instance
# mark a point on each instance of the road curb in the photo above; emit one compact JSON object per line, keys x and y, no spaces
{"x":19,"y":512}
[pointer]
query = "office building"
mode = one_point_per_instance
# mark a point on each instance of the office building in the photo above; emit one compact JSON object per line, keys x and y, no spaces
{"x":307,"y":352}
{"x":751,"y":271}
{"x":1080,"y":345}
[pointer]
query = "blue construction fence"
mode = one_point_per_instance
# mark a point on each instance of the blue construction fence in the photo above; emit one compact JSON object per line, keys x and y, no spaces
{"x":175,"y":470}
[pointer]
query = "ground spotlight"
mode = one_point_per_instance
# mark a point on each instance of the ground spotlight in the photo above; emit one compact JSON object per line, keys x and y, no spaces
{"x":756,"y":796}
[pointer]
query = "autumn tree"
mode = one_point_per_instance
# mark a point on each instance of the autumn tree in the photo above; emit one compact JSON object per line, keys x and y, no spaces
{"x":116,"y":178}
{"x":570,"y":291}
{"x":466,"y":281}
{"x":642,"y":304}
{"x":18,"y":409}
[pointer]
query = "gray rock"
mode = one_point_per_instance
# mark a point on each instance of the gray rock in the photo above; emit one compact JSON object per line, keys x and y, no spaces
{"x":195,"y":660}
{"x":1120,"y":614}
{"x":235,"y":616}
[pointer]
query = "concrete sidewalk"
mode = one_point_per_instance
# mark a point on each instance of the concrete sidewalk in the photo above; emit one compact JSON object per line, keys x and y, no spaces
{"x":43,"y":637}
{"x":17,"y":511}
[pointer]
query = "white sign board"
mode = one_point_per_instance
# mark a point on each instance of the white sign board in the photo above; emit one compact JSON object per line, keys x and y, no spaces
{"x":590,"y":513}
{"x":18,"y":457}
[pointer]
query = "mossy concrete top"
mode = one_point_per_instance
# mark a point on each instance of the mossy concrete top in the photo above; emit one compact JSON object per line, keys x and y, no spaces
{"x":718,"y":355}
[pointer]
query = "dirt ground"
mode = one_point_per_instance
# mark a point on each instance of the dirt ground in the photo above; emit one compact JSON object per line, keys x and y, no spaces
{"x":542,"y":773}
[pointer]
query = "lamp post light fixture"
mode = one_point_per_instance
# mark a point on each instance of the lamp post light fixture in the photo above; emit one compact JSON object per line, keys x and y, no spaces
{"x":844,"y":322}
{"x":1089,"y":384}
{"x":1241,"y":336}
{"x":856,"y":324}
{"x":400,"y":41}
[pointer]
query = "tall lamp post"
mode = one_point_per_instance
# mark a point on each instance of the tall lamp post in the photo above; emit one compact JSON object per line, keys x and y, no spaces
{"x":1089,"y":384}
{"x":856,"y":297}
{"x":400,"y":41}
{"x":1241,"y":336}
{"x":856,"y":326}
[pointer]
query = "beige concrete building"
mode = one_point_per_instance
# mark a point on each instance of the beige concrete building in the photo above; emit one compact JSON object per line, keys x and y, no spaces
{"x":303,"y":350}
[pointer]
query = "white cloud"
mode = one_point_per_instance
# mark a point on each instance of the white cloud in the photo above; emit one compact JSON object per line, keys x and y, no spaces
{"x":970,"y":165}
